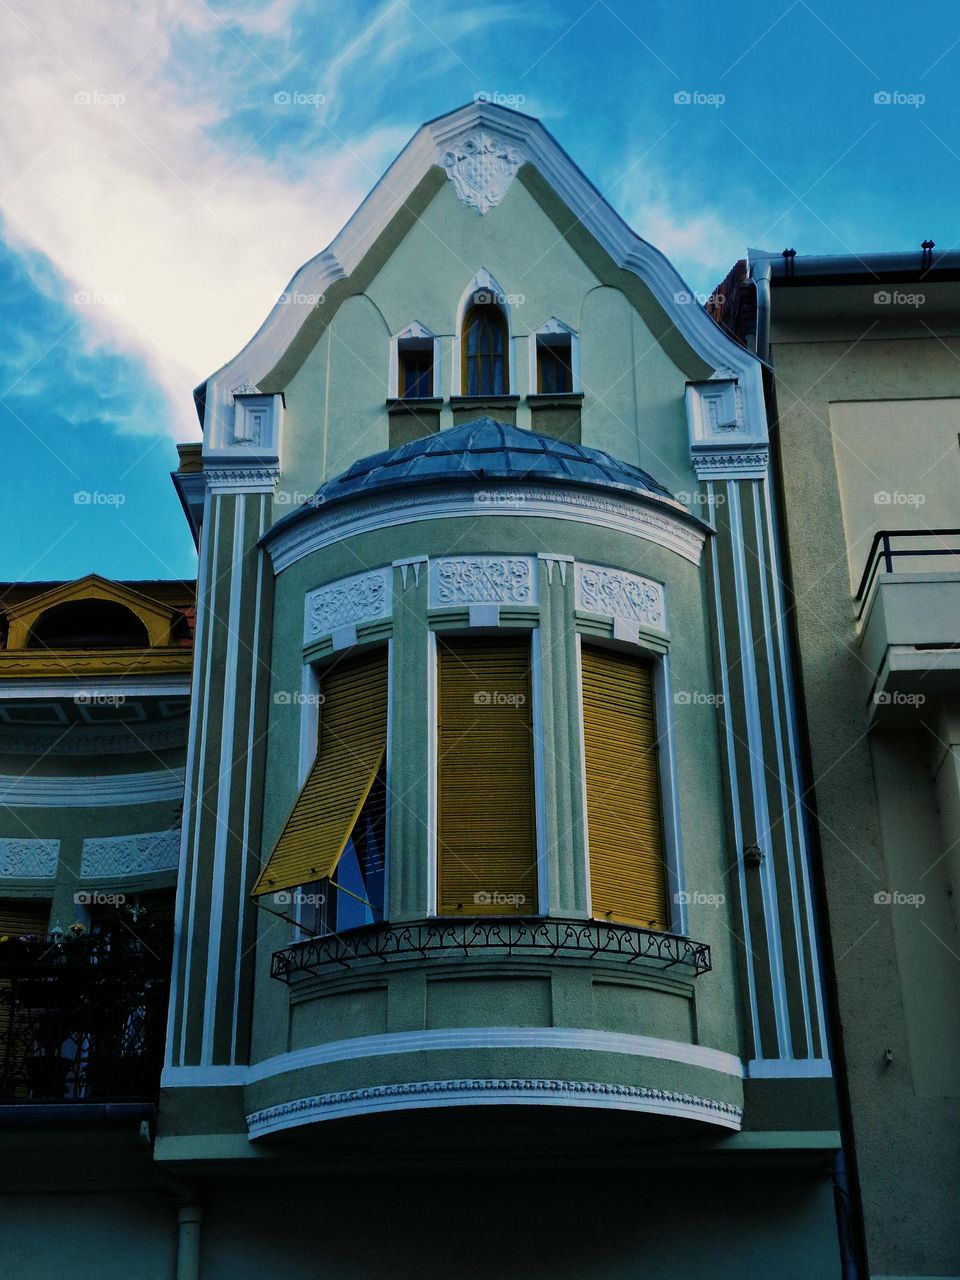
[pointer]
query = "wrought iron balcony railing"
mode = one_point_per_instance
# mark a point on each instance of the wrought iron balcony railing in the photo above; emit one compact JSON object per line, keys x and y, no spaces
{"x":541,"y":937}
{"x":82,"y":1019}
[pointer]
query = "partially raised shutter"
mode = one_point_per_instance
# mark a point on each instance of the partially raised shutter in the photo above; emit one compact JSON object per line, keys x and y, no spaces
{"x":625,"y":829}
{"x":353,"y":742}
{"x":487,"y":855}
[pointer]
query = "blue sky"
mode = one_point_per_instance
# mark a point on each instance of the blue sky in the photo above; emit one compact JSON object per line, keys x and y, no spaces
{"x":155,"y":199}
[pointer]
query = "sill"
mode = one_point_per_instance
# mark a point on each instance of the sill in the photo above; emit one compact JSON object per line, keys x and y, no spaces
{"x":424,"y":404}
{"x":558,"y":400}
{"x":479,"y":402}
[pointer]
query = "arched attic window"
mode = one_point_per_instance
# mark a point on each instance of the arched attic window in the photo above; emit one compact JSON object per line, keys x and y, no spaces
{"x":483,"y":347}
{"x":88,"y":624}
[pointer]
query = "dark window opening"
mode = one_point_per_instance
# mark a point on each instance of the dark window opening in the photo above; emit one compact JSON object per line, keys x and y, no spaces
{"x":485,"y":371}
{"x":554,"y":364}
{"x":415,"y":368}
{"x":88,"y":624}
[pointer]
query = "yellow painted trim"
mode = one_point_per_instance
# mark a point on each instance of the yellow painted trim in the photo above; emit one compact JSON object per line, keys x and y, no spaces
{"x":27,"y":664}
{"x":157,"y":618}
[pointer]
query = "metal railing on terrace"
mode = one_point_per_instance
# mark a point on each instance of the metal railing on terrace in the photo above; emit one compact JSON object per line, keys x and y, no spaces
{"x":82,"y":1016}
{"x":885,"y":552}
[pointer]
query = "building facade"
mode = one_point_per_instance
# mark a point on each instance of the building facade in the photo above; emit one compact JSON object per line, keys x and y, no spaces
{"x":496,"y":945}
{"x":865,"y":402}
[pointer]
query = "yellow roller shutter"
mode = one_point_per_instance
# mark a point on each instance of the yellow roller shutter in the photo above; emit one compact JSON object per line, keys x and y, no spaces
{"x":353,"y":742}
{"x":627,"y":880}
{"x":18,"y":917}
{"x":21,"y":916}
{"x":487,"y":856}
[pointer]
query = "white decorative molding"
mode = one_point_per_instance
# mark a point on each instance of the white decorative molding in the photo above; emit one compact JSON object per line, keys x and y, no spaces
{"x":28,"y":859}
{"x":131,"y":855}
{"x":458,"y":1093}
{"x":415,"y":563}
{"x":236,"y":478}
{"x":444,"y":1038}
{"x":655,"y":519}
{"x":430,"y":145}
{"x":34,"y":791}
{"x":551,"y":559}
{"x":455,"y":581}
{"x":481,"y":168}
{"x":723,"y":464}
{"x":616,"y":594}
{"x":364,"y":597}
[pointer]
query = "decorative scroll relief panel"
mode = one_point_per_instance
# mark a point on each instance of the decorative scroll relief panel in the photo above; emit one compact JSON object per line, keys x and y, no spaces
{"x":29,"y":859}
{"x":365,"y":597}
{"x":478,"y":580}
{"x":629,"y":599}
{"x":131,"y":855}
{"x":481,"y":168}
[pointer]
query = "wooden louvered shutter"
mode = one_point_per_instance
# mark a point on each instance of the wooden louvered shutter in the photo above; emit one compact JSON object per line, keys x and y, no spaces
{"x":353,"y":743}
{"x":486,"y":847}
{"x":624,"y":826}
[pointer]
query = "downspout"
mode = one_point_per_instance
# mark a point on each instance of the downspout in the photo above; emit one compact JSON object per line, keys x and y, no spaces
{"x":759,"y":270}
{"x":190,"y":1222}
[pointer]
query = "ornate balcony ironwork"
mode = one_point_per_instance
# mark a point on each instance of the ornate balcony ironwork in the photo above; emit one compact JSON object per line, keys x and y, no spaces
{"x":82,"y":1019}
{"x":492,"y":935}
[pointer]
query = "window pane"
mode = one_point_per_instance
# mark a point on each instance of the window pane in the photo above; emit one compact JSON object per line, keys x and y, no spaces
{"x":485,"y":342}
{"x":554,"y":366}
{"x":416,"y":373}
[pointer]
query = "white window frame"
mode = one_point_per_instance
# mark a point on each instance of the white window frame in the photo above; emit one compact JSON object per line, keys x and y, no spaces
{"x":667,"y":771}
{"x":539,"y":796}
{"x":485,"y":281}
{"x":422,"y":334}
{"x":552,"y":327}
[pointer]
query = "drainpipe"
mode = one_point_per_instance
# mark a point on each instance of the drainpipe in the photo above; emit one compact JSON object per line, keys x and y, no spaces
{"x":190,"y":1221}
{"x":759,"y":270}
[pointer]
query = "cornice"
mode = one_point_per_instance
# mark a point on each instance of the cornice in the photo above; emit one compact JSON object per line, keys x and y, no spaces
{"x":454,"y":1093}
{"x":83,"y":664}
{"x":33,"y":791}
{"x":665,"y":524}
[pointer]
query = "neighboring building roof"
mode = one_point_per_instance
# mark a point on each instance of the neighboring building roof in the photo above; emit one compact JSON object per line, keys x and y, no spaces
{"x":480,"y":451}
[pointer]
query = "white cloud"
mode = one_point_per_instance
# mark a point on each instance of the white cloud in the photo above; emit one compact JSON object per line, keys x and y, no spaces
{"x":173,"y":237}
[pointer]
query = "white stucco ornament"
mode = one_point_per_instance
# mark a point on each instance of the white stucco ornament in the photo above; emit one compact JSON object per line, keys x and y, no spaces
{"x":481,"y":169}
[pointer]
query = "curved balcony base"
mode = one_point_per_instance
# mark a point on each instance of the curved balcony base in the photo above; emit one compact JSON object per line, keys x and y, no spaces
{"x":511,"y":1092}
